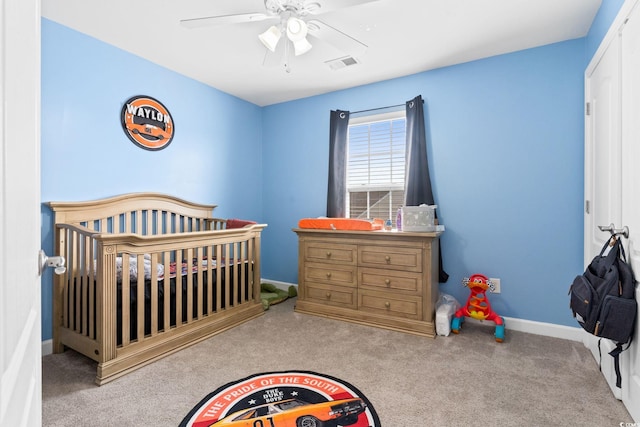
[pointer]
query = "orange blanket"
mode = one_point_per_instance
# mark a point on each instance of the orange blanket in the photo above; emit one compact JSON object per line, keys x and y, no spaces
{"x":341,"y":224}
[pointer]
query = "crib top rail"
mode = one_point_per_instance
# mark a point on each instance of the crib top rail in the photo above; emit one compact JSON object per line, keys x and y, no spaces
{"x":94,"y":210}
{"x":188,"y":236}
{"x":143,"y":222}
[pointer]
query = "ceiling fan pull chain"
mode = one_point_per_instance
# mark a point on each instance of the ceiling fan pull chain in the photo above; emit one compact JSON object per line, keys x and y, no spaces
{"x":287,"y":56}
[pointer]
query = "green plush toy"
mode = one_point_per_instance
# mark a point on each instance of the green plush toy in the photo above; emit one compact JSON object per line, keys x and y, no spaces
{"x":271,"y":294}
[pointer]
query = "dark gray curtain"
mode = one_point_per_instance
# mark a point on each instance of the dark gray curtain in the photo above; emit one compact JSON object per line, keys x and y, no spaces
{"x":338,"y":129}
{"x":417,"y":181}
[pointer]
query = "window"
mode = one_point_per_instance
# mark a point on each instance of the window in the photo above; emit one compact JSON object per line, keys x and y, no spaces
{"x":375,"y":165}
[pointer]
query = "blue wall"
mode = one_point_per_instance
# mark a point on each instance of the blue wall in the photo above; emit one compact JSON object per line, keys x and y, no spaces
{"x":86,"y":155}
{"x":505,"y":149}
{"x":505,"y":146}
{"x":506,"y":160}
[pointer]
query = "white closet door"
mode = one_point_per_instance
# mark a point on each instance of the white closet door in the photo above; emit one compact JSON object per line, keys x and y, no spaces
{"x":630,"y":66}
{"x":612,"y":174}
{"x":603,"y":192}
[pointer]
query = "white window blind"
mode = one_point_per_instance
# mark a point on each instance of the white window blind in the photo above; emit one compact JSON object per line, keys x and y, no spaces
{"x":376,"y":165}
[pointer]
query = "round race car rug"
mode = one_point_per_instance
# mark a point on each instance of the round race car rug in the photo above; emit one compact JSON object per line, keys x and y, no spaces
{"x":284,"y":399}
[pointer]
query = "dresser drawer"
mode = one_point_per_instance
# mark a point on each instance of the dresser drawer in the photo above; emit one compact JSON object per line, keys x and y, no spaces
{"x":379,"y":279}
{"x":330,"y":253}
{"x":331,"y":295}
{"x":398,"y":258}
{"x":390,"y":304}
{"x":344,"y":275}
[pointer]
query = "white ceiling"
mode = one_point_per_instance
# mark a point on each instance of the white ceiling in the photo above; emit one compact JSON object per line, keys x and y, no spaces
{"x":403,"y":37}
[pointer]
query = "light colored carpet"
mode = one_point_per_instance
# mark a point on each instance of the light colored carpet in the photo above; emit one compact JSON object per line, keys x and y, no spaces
{"x":459,"y":380}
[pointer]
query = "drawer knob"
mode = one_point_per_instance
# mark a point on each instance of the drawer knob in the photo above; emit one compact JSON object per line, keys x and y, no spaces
{"x":328,"y":254}
{"x":328,"y":295}
{"x":388,"y":259}
{"x":387,"y":304}
{"x":387,"y":282}
{"x":328,"y":275}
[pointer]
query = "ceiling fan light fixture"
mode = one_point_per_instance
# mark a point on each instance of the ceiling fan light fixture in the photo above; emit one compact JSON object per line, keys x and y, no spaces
{"x":297,"y":33}
{"x":270,"y":38}
{"x":301,"y":46}
{"x":296,"y":29}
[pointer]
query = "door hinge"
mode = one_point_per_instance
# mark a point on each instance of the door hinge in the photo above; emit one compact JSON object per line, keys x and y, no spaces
{"x":588,"y":109}
{"x":586,"y":206}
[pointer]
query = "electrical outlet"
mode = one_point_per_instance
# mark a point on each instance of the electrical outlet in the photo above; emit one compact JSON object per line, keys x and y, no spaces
{"x":496,"y":285}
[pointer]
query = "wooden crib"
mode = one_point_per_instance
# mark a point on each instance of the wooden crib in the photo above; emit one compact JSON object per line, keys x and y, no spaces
{"x":201,"y":277}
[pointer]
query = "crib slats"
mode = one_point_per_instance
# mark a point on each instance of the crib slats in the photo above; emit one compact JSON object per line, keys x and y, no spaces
{"x":166,"y":290}
{"x":151,"y":220}
{"x":227,"y":274}
{"x":138,"y":227}
{"x":118,"y":224}
{"x":200,"y":290}
{"x":188,"y":260}
{"x":127,"y":223}
{"x":210,"y":271}
{"x":175,"y":223}
{"x":219,"y":261}
{"x":179,"y":257}
{"x":154,"y":296}
{"x":243,"y":278}
{"x":83,"y":250}
{"x":140,"y":309}
{"x":226,"y":284}
{"x":125,"y":294}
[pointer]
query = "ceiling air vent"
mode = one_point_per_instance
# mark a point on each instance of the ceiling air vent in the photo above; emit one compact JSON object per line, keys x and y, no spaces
{"x":345,"y":61}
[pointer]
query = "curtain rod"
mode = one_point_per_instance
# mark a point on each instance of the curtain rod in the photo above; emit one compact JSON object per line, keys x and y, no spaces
{"x":380,"y":108}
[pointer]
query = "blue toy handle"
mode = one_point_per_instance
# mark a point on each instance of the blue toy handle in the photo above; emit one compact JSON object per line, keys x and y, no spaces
{"x":500,"y":331}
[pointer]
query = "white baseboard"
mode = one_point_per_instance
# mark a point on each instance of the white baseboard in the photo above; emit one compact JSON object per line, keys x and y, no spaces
{"x":538,"y":328}
{"x":542,"y":328}
{"x":510,"y":323}
{"x":47,"y":347}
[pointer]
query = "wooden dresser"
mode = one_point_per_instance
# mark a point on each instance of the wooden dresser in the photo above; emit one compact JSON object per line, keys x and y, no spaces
{"x":387,"y":279}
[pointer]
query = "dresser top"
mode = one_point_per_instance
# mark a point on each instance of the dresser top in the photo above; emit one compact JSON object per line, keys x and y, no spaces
{"x":391,"y":234}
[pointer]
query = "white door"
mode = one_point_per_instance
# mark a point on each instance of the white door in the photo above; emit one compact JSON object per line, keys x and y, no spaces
{"x":612,"y":155}
{"x":603,"y":190}
{"x":602,"y":150}
{"x":630,"y":64}
{"x":20,"y":330}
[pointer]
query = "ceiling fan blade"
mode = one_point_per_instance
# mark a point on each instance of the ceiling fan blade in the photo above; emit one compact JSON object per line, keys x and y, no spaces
{"x":338,"y":39}
{"x":238,"y":18}
{"x":335,"y":5}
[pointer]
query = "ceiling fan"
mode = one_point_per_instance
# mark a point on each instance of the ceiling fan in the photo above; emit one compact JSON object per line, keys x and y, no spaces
{"x":297,"y":21}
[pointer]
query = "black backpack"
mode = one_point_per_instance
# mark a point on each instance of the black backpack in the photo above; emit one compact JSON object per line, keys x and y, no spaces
{"x":603,"y":298}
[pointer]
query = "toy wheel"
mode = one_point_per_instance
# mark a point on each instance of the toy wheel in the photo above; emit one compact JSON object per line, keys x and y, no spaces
{"x":308,"y":421}
{"x":455,"y":325}
{"x":500,"y":333}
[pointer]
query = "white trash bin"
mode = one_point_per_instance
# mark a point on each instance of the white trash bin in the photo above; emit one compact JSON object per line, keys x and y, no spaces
{"x":446,"y":307}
